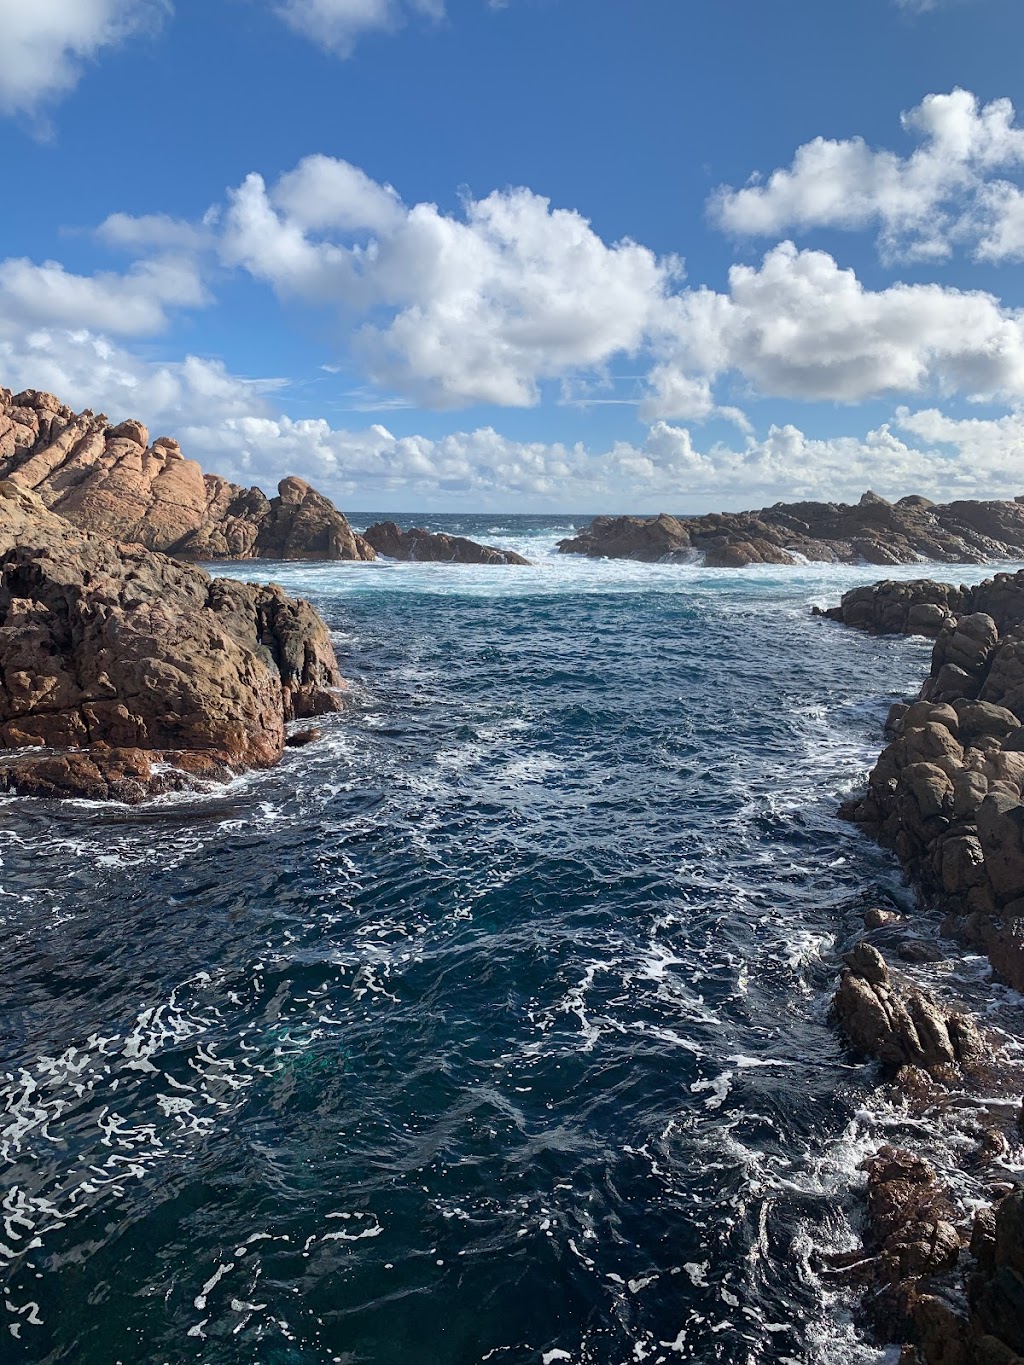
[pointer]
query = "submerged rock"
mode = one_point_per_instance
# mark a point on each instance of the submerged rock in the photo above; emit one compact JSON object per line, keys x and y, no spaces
{"x":119,"y":657}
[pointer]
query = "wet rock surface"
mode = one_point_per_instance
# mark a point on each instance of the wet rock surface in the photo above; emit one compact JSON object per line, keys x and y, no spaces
{"x":873,"y":531}
{"x":899,"y":1023}
{"x":124,"y":673}
{"x":389,"y":539}
{"x":115,"y":481}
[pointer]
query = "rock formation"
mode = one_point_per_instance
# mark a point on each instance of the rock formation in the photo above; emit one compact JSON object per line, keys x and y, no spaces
{"x":874,"y":531}
{"x":946,"y":795}
{"x":946,"y":792}
{"x":112,"y":480}
{"x":114,"y":658}
{"x":416,"y":544}
{"x":901,"y":1024}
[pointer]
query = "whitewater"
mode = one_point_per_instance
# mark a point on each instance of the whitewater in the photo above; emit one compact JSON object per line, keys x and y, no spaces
{"x":493,"y":1027}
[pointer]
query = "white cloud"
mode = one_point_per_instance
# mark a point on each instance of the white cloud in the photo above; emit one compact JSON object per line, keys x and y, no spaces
{"x":665,"y":470}
{"x":46,"y":43}
{"x":325,"y":192}
{"x":336,"y":25}
{"x":478,"y":308}
{"x":153,"y":232}
{"x":922,"y":204}
{"x":235,"y":428}
{"x":133,"y":304}
{"x":484,"y":306}
{"x":800,"y":327}
{"x":487,"y":304}
{"x":1000,"y":220}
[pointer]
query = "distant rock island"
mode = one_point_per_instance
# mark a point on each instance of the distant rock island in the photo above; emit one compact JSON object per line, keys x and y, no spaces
{"x":431,"y":546}
{"x":873,"y":531}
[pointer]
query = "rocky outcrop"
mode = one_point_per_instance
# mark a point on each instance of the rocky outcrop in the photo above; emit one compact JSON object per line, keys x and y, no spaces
{"x":873,"y":531}
{"x":114,"y":481}
{"x":898,"y":1023}
{"x":940,"y":1274}
{"x":946,"y":792}
{"x":661,"y":539}
{"x":124,"y":672}
{"x":388,"y":539}
{"x":933,"y":1272}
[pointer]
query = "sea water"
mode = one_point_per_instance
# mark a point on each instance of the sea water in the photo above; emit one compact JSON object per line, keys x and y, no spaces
{"x":491,"y":1028}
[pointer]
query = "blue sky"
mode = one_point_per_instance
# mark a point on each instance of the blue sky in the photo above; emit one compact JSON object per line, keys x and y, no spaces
{"x":532,"y":255}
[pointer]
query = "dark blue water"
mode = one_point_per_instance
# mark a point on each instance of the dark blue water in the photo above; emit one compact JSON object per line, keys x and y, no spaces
{"x":494,"y":1027}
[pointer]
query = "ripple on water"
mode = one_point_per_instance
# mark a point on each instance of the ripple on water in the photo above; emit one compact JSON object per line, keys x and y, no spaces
{"x":491,"y":1028}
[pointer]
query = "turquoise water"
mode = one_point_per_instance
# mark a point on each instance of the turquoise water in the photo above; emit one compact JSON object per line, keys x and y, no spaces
{"x":490,"y":1029}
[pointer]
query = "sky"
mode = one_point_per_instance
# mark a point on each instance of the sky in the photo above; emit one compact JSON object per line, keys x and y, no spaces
{"x":527,"y":255}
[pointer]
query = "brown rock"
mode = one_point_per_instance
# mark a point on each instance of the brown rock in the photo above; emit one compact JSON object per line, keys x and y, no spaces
{"x":648,"y":538}
{"x":109,"y":480}
{"x":112,"y":649}
{"x":389,"y":539}
{"x":900,"y":1025}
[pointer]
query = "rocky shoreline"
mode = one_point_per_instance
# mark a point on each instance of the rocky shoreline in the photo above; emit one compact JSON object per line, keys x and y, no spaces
{"x":942,"y":1276}
{"x":873,"y":531}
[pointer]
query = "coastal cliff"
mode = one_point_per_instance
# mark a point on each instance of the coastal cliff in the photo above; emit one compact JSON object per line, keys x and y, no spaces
{"x":114,"y":481}
{"x":873,"y":531}
{"x":124,"y":673}
{"x":947,"y":795}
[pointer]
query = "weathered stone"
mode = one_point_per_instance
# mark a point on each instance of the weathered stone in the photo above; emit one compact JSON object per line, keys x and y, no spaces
{"x":873,"y":531}
{"x":111,"y":650}
{"x":109,"y":480}
{"x":984,"y":718}
{"x":1001,"y":832}
{"x":900,"y":1025}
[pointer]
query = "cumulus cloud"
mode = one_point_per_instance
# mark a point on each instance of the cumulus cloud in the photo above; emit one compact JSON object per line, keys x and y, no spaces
{"x":336,"y":25}
{"x":485,"y":305}
{"x":235,"y":427}
{"x":46,"y":43}
{"x":474,"y":308}
{"x":798,"y":326}
{"x":488,"y":303}
{"x":922,"y":204}
{"x":666,"y":469}
{"x":132,"y":304}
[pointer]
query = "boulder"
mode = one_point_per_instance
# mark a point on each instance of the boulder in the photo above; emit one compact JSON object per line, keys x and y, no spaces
{"x":647,"y":538}
{"x":899,"y":1024}
{"x":119,"y":656}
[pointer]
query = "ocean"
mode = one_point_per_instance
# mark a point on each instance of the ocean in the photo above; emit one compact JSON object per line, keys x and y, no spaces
{"x":491,"y":1028}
